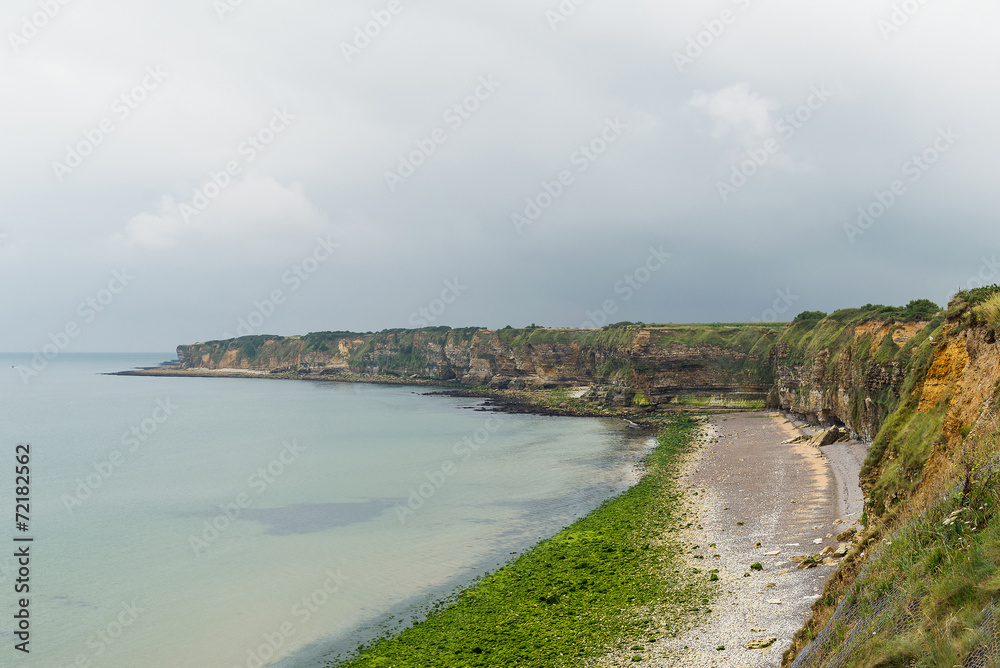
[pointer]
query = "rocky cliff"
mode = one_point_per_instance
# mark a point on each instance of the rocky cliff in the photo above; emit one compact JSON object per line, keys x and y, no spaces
{"x":921,"y":586}
{"x":661,"y":362}
{"x":846,"y":368}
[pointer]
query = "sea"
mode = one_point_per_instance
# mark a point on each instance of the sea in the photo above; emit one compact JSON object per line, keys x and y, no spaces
{"x":244,"y":523}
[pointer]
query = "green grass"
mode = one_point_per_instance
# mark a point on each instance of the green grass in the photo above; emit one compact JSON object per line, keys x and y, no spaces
{"x":608,"y":581}
{"x":945,"y":563}
{"x":988,"y":312}
{"x":903,"y":456}
{"x":718,"y":401}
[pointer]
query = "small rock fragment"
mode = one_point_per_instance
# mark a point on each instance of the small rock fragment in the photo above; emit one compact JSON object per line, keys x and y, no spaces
{"x":772,"y":553}
{"x":817,"y":541}
{"x":760,"y":643}
{"x":847,"y":536}
{"x":811,"y":561}
{"x":773,"y":601}
{"x":842,"y":550}
{"x":827,"y":551}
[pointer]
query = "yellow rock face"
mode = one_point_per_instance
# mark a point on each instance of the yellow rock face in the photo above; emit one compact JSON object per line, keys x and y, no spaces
{"x":949,"y":361}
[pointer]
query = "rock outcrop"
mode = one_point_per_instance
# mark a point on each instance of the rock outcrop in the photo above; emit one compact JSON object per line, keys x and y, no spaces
{"x":846,"y":369}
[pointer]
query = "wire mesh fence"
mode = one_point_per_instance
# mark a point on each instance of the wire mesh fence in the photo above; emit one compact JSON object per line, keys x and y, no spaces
{"x":864,"y":620}
{"x":884,"y":606}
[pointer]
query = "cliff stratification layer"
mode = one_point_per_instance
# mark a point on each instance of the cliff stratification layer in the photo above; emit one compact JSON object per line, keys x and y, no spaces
{"x":846,"y":368}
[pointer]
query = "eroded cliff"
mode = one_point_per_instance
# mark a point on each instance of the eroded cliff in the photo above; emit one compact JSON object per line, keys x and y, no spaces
{"x":662,"y":362}
{"x":921,"y":585}
{"x":846,"y":368}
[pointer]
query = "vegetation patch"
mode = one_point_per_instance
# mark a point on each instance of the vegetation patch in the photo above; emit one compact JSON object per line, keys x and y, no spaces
{"x":930,"y":592}
{"x":608,"y":581}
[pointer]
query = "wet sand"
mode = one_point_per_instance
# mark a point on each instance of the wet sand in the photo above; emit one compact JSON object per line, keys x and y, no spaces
{"x":787,"y":497}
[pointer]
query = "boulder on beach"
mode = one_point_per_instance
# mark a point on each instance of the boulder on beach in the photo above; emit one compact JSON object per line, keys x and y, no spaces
{"x":847,"y":535}
{"x":830,"y":436}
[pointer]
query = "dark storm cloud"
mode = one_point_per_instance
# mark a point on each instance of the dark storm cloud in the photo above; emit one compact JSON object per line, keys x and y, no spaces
{"x":533,"y":153}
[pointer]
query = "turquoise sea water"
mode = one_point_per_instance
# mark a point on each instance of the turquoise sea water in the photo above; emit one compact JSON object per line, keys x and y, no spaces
{"x":241,"y":522}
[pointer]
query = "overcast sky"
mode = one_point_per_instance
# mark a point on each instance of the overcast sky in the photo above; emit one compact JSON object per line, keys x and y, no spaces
{"x":357,"y":193}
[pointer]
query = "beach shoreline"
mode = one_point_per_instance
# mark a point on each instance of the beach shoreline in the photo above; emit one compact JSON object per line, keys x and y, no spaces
{"x":785,"y":497}
{"x":761,"y":499}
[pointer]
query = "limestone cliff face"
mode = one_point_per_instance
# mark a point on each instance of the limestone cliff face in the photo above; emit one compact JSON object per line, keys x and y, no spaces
{"x":844,"y":369}
{"x":662,"y":362}
{"x":851,"y":375}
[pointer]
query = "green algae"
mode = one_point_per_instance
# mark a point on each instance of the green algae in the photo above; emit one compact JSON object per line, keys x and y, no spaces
{"x":612,"y":579}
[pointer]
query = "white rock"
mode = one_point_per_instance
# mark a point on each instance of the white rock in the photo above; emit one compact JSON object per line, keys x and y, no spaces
{"x":772,"y":553}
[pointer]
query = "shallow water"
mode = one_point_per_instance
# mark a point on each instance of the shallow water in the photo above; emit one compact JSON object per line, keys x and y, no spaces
{"x":245,"y":522}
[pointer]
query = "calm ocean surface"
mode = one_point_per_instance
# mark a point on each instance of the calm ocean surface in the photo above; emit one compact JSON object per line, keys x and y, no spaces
{"x":236,"y":522}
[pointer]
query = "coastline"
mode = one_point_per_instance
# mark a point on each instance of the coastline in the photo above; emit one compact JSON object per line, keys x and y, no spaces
{"x":827,"y":479}
{"x":616,"y":577}
{"x":718,"y":521}
{"x":339,"y":648}
{"x":556,"y":402}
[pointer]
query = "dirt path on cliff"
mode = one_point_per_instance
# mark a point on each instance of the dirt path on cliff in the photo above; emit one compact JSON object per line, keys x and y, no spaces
{"x":752,"y":488}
